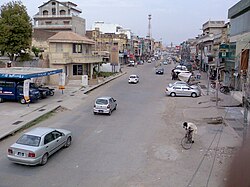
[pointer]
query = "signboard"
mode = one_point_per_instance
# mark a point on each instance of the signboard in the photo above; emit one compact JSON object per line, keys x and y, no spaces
{"x":26,"y":89}
{"x":62,"y":81}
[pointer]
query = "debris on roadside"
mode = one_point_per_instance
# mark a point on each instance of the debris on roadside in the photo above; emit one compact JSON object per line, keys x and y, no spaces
{"x":214,"y":120}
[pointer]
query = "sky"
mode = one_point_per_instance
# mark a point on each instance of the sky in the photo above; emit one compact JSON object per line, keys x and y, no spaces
{"x":173,"y":21}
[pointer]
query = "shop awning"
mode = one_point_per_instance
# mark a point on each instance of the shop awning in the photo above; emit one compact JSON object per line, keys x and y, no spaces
{"x":27,"y":72}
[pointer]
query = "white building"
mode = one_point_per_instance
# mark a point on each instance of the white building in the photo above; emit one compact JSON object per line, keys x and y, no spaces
{"x":111,"y":28}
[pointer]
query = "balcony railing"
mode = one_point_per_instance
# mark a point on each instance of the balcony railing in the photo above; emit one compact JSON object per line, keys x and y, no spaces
{"x":52,"y":16}
{"x":53,"y":26}
{"x":65,"y":58}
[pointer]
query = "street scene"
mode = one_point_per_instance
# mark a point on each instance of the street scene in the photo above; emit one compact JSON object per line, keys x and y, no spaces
{"x":108,"y":108}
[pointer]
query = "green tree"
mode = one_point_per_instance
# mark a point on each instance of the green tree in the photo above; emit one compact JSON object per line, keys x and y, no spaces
{"x":16,"y":29}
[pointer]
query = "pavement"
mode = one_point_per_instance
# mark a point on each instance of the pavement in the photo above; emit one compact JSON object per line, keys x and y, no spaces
{"x":15,"y":116}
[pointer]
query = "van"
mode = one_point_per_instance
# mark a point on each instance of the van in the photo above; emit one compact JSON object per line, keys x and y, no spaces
{"x":12,"y":89}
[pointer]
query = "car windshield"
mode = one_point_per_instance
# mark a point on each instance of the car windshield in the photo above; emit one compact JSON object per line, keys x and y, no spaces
{"x":102,"y":101}
{"x":29,"y":140}
{"x":132,"y":77}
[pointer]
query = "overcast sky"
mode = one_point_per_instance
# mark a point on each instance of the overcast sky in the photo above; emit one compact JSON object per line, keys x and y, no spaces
{"x":172,"y":20}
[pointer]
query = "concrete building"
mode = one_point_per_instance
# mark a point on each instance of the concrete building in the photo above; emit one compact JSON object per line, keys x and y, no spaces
{"x":55,"y":16}
{"x":206,"y":42}
{"x":72,"y":53}
{"x":239,"y":46}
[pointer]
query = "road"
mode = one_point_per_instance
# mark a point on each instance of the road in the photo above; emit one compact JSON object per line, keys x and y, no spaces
{"x":137,"y":146}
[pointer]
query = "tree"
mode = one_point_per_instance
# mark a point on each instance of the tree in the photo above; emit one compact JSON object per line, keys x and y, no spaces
{"x":16,"y":29}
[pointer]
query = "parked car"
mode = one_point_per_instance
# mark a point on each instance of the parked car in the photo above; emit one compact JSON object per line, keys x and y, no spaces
{"x":133,"y":79}
{"x":131,"y":63}
{"x":34,"y":147}
{"x":182,"y":89}
{"x":104,"y":105}
{"x":165,"y":62}
{"x":159,"y":71}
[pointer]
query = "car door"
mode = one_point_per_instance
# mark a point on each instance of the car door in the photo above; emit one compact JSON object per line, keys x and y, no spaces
{"x":50,"y":143}
{"x":59,"y":139}
{"x":186,"y":90}
{"x":111,"y":102}
{"x":178,"y":90}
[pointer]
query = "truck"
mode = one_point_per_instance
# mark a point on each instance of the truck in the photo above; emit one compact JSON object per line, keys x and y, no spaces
{"x":12,"y":89}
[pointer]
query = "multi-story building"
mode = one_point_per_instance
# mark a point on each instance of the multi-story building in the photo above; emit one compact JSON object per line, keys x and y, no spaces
{"x":55,"y":16}
{"x":105,"y":42}
{"x":206,"y":42}
{"x":72,"y":53}
{"x":239,"y":47}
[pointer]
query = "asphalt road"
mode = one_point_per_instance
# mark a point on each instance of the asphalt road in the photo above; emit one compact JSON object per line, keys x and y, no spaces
{"x":137,"y":146}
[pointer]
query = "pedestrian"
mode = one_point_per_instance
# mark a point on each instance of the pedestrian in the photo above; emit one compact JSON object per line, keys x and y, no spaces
{"x":191,"y":127}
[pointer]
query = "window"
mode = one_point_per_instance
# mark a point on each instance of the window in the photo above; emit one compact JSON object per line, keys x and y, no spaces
{"x":29,"y":140}
{"x":45,"y":12}
{"x":53,"y":11}
{"x":59,"y":47}
{"x":77,"y":69}
{"x":66,"y":22}
{"x":62,"y":12}
{"x":56,"y":134}
{"x":48,"y":138}
{"x":77,"y":48}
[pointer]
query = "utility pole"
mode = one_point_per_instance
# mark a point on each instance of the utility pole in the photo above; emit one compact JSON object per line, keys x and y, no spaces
{"x":245,"y":104}
{"x":217,"y":80}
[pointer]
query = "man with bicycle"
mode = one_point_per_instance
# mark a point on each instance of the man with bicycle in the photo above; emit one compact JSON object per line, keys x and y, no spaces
{"x":191,"y":128}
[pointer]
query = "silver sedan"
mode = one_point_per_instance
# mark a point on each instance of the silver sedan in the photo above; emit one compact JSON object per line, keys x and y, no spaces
{"x":182,"y":90}
{"x":34,"y":147}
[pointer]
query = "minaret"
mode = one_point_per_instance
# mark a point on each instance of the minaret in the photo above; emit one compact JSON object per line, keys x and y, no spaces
{"x":149,"y":26}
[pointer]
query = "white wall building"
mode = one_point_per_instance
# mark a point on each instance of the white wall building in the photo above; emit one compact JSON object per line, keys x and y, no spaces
{"x":111,"y":28}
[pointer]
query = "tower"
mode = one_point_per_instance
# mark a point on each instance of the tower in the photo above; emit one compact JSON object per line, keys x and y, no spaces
{"x":149,"y":26}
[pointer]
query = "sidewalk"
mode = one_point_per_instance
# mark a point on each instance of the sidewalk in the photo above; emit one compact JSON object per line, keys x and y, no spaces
{"x":227,"y":107}
{"x":15,"y":116}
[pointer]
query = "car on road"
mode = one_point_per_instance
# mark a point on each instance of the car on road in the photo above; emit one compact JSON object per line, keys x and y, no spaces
{"x":180,"y":88}
{"x":34,"y":147}
{"x":165,"y":62}
{"x":159,"y":71}
{"x":133,"y":79}
{"x":131,"y":63}
{"x":104,"y":105}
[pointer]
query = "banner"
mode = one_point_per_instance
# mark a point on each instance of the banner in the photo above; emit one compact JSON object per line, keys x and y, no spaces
{"x":26,"y":90}
{"x":61,"y":81}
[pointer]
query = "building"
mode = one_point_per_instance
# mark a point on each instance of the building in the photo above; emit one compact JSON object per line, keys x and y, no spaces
{"x":205,"y":43}
{"x":239,"y":45}
{"x":72,"y":53}
{"x":55,"y":16}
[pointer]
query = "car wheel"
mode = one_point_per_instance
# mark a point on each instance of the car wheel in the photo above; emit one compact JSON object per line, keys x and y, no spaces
{"x":68,"y":142}
{"x":172,"y":94}
{"x":109,"y":112}
{"x":193,"y":94}
{"x":95,"y":113}
{"x":115,"y":107}
{"x":51,"y":93}
{"x":22,"y":101}
{"x":44,"y":159}
{"x":1,"y":100}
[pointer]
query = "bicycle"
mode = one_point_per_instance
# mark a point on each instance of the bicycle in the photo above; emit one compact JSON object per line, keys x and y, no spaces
{"x":226,"y":89}
{"x":187,"y":141}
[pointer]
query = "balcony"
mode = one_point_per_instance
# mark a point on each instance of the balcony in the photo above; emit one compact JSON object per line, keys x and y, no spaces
{"x":51,"y":16}
{"x":54,"y":26}
{"x":65,"y":58}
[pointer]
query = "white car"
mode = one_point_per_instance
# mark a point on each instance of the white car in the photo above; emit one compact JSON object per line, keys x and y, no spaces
{"x":104,"y":105}
{"x":34,"y":147}
{"x":133,"y":79}
{"x":181,"y":88}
